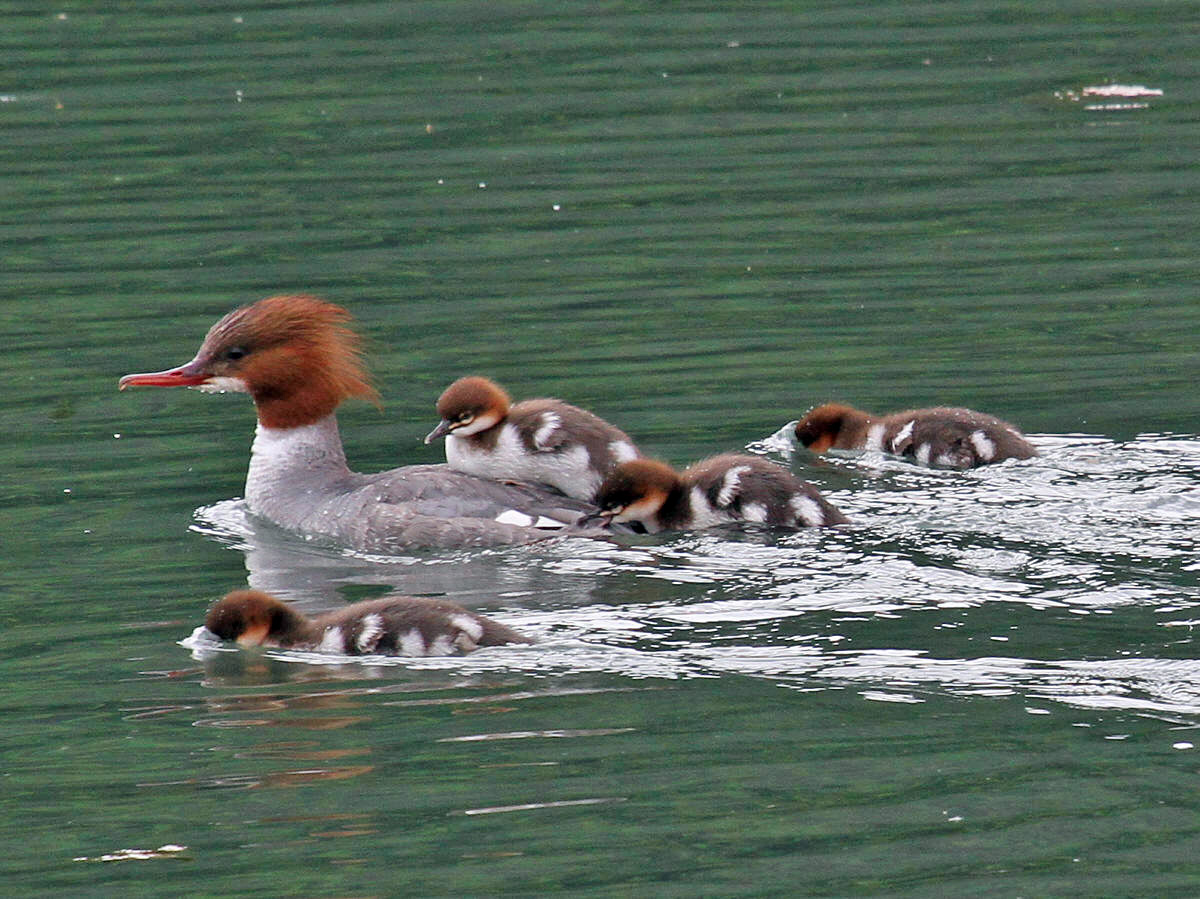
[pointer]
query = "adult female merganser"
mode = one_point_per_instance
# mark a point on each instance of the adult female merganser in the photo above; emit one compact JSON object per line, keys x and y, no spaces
{"x":544,"y":440}
{"x":396,"y":625}
{"x":297,"y":359}
{"x":723,"y":489}
{"x":947,"y":437}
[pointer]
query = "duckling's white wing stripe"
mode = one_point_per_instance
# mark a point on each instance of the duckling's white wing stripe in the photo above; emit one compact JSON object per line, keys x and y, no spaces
{"x":550,"y":423}
{"x":332,"y":641}
{"x":369,"y":633}
{"x":983,"y":446}
{"x":729,"y":486}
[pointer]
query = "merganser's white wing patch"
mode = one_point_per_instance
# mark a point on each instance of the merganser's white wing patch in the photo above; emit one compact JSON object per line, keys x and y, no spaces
{"x":729,"y":486}
{"x":875,"y":438}
{"x":903,"y":434}
{"x":923,"y":452}
{"x":332,"y":641}
{"x":512,"y":516}
{"x":412,"y":643}
{"x":551,"y":421}
{"x":369,"y":633}
{"x":983,"y":445}
{"x":807,"y":510}
{"x":521,"y":520}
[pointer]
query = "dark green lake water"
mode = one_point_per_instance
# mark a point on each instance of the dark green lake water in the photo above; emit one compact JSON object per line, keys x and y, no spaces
{"x":697,"y":220}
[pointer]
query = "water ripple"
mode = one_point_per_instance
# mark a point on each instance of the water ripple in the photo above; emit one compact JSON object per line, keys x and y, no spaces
{"x":936,"y":566}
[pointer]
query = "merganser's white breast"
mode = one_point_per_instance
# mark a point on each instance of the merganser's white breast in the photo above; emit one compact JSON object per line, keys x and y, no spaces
{"x":298,"y":479}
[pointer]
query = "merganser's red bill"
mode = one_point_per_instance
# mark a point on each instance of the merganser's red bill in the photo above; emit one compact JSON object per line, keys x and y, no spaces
{"x":185,"y":376}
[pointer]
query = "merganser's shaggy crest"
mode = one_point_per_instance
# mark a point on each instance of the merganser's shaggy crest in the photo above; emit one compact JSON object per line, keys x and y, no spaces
{"x":397,"y":625}
{"x":543,"y":440}
{"x":297,"y":359}
{"x":943,"y":436}
{"x":723,"y":489}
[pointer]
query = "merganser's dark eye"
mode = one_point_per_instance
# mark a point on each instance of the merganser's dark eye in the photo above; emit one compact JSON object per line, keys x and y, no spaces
{"x":234,"y":353}
{"x":466,"y":417}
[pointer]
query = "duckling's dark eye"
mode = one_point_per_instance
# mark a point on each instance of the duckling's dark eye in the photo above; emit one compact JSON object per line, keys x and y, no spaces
{"x":234,"y":353}
{"x":465,"y":417}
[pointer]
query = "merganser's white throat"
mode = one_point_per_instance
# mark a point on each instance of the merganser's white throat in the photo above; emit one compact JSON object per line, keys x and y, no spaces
{"x":298,"y":478}
{"x":282,"y":458}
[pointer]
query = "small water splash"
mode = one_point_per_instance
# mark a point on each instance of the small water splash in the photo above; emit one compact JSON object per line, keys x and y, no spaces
{"x":1110,"y":97}
{"x":782,"y":442}
{"x":169,"y":850}
{"x":940,"y":569}
{"x":204,"y":644}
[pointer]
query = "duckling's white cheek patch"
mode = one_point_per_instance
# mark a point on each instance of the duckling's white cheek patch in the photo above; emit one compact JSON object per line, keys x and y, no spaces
{"x":254,"y":635}
{"x":477,"y":424}
{"x":223,"y":385}
{"x":642,"y":510}
{"x":983,"y":446}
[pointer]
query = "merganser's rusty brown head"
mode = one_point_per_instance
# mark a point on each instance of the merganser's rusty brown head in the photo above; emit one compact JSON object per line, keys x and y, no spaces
{"x":468,"y":406}
{"x":832,"y":425}
{"x":253,"y":618}
{"x":293,"y":354}
{"x":636,"y":491}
